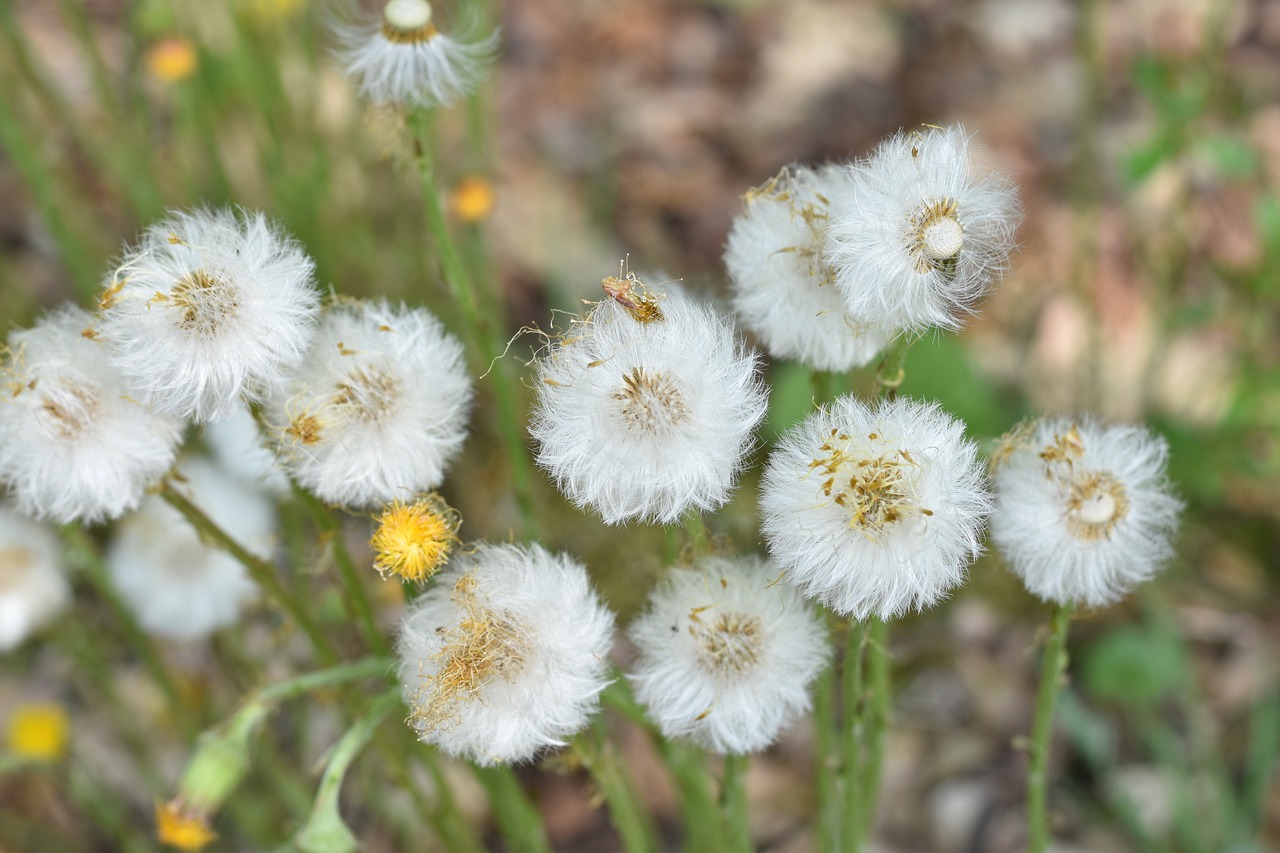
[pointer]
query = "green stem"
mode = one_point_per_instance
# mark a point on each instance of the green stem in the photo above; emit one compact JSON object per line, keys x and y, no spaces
{"x":853,"y":734}
{"x":1055,"y":665}
{"x":699,"y":810}
{"x":830,"y":811}
{"x":626,"y":811}
{"x":518,"y":818}
{"x":262,"y":572}
{"x":878,"y":663}
{"x":733,"y":802}
{"x":358,"y":595}
{"x":280,"y":691}
{"x":699,"y":538}
{"x":325,"y":823}
{"x":484,"y":336}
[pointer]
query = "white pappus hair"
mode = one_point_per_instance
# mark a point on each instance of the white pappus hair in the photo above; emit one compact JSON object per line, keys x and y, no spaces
{"x":505,"y":654}
{"x":875,"y":509}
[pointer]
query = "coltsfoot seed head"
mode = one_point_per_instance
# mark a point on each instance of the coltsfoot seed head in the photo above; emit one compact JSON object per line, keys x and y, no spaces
{"x":378,"y":410}
{"x":727,"y":654}
{"x":783,"y":288}
{"x":1084,"y":512}
{"x":505,"y":655}
{"x":875,"y":509}
{"x":33,"y":587}
{"x":210,"y":310}
{"x":647,"y":406}
{"x":403,"y":58}
{"x":74,"y":446}
{"x":916,"y":239}
{"x":175,"y":584}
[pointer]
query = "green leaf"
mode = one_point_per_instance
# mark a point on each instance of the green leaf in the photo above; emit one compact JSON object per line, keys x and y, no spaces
{"x":1135,"y":666}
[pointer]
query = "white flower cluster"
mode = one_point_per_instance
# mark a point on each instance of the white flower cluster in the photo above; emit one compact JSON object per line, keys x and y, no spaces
{"x":1084,"y":511}
{"x":209,"y":309}
{"x":647,"y":406}
{"x":378,"y":409}
{"x":727,"y":654}
{"x":33,"y":587}
{"x":875,"y":510}
{"x":403,"y":58}
{"x":74,"y":446}
{"x":505,"y":655}
{"x":829,"y":263}
{"x":177,"y":585}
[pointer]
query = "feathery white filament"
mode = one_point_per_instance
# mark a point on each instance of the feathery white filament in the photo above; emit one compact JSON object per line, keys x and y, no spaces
{"x":917,"y":239}
{"x":505,"y":654}
{"x":645,"y":412}
{"x":783,"y":288}
{"x":1084,"y":512}
{"x":210,"y":309}
{"x":73,"y":445}
{"x":727,"y":654}
{"x":875,"y":510}
{"x":379,"y":408}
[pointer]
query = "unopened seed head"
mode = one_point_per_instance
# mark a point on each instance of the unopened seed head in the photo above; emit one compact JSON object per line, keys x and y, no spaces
{"x":943,"y":238}
{"x":407,"y":15}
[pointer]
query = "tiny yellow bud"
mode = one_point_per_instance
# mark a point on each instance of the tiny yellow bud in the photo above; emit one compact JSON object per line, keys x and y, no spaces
{"x":38,"y":731}
{"x":472,"y":199}
{"x":171,"y":60}
{"x":415,"y":540}
{"x":177,"y":828}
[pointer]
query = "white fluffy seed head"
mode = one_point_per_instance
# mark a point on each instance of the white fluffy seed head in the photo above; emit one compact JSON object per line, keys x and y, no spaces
{"x":727,"y":654}
{"x":212,"y":308}
{"x":176,"y":585}
{"x":918,"y":238}
{"x":1084,"y":512}
{"x":647,"y":406}
{"x":875,"y":510}
{"x":33,"y":587}
{"x":783,"y":288}
{"x":402,"y":58}
{"x":379,"y":408}
{"x":73,"y":445}
{"x":505,"y":655}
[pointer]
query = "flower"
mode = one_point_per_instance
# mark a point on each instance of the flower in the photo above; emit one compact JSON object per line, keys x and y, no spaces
{"x":175,"y":584}
{"x":379,"y":409}
{"x":38,"y":731}
{"x":875,"y":510}
{"x":916,"y":239}
{"x":209,"y":309}
{"x":172,"y":60}
{"x":647,"y":407}
{"x":237,"y":444}
{"x":32,"y":585}
{"x":178,"y":828}
{"x":1084,"y":512}
{"x":402,"y":58}
{"x":413,"y":540}
{"x":505,"y":655}
{"x":727,"y":654}
{"x":783,"y":288}
{"x":73,"y":445}
{"x":471,"y":199}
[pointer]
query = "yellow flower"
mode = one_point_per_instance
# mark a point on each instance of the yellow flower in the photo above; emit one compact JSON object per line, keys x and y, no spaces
{"x":171,"y":60}
{"x":38,"y":731}
{"x":472,"y":199}
{"x":180,"y":829}
{"x":415,"y":540}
